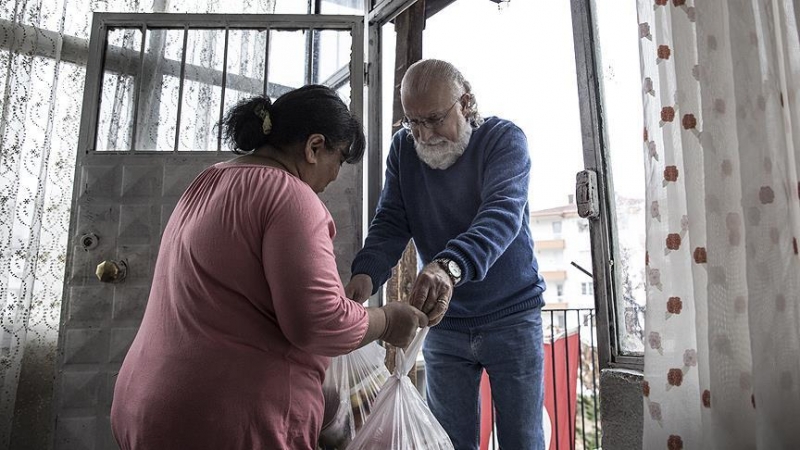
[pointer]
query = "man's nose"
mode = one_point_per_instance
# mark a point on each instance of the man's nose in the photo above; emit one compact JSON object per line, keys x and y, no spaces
{"x":424,"y":134}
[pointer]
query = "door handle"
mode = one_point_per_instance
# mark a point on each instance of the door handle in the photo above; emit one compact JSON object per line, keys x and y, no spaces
{"x":111,"y":271}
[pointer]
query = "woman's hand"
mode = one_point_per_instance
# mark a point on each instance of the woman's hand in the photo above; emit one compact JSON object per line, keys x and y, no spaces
{"x":402,"y":322}
{"x":359,"y":288}
{"x":395,"y":323}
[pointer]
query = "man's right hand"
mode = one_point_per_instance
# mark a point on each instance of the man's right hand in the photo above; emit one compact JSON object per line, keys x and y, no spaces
{"x":402,"y":322}
{"x":359,"y":288}
{"x":432,"y":291}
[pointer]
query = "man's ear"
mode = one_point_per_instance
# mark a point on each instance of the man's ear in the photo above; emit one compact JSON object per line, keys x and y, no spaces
{"x":314,"y":145}
{"x":466,"y":102}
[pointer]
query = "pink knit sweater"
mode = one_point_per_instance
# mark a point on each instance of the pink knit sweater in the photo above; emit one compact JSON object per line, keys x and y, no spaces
{"x":245,"y":308}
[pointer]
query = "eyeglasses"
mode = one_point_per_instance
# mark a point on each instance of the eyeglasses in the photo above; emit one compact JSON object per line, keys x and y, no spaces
{"x":431,"y":123}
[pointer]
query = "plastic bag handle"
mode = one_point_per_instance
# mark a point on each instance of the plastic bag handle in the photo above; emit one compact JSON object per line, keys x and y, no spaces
{"x":404,"y":359}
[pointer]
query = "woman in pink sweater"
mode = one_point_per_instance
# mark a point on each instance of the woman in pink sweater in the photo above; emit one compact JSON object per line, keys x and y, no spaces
{"x":246,"y":306}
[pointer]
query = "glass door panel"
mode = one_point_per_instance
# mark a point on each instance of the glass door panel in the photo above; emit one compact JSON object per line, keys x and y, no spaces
{"x":618,"y":55}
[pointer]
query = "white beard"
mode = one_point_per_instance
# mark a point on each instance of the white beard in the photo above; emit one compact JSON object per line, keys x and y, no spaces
{"x":440,"y":153}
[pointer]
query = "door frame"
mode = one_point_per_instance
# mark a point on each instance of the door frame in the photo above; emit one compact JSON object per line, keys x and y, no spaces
{"x":603,"y":230}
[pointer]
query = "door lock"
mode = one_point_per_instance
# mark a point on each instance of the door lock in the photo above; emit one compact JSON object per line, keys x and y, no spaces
{"x":111,"y":271}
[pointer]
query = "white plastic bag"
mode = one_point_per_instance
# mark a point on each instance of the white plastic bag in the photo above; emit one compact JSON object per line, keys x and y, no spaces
{"x":400,"y":419}
{"x":351,"y":385}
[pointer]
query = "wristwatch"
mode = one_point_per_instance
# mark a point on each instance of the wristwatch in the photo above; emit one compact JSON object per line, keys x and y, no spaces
{"x":450,"y":267}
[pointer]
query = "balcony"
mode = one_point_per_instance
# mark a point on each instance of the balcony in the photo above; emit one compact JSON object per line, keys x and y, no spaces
{"x":572,"y":379}
{"x":554,"y":275}
{"x":551,"y":244}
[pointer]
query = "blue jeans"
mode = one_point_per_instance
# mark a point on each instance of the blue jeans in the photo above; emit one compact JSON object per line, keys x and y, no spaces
{"x":512,"y":352}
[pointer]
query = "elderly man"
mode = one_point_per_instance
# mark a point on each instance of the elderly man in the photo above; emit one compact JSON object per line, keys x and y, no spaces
{"x":458,"y":186}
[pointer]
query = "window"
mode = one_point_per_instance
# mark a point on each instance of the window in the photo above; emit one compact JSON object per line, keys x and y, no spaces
{"x":560,"y":290}
{"x":587,"y":289}
{"x":557,"y":228}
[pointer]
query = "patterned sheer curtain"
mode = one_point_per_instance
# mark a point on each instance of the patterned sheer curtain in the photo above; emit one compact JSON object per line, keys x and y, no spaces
{"x":43,"y":48}
{"x":721,"y":90}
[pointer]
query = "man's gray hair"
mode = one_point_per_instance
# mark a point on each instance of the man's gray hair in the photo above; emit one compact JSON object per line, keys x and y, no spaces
{"x":427,"y":72}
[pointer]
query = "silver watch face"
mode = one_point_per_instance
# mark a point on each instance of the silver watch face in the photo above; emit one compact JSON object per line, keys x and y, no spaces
{"x":454,"y":269}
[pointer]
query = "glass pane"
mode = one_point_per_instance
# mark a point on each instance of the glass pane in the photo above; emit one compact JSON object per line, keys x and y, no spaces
{"x":115,"y":119}
{"x":351,"y":7}
{"x":246,"y":53}
{"x":202,"y":91}
{"x":622,"y":116}
{"x":158,"y":91}
{"x":533,"y":86}
{"x":331,"y":58}
{"x":287,"y":61}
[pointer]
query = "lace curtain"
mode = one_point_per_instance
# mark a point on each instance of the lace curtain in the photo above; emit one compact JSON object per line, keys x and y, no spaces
{"x":43,"y":47}
{"x":721,"y":93}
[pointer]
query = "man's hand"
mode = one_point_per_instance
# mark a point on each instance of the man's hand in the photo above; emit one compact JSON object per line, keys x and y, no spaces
{"x":432,"y":291}
{"x":359,"y":288}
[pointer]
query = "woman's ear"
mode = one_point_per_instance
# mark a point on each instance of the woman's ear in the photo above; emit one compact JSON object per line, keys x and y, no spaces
{"x":314,"y":144}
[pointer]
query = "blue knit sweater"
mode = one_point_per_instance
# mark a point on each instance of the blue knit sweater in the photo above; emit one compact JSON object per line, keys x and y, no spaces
{"x":474,"y":212}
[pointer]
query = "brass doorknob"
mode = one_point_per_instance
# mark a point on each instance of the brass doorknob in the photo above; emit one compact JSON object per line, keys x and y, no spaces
{"x":111,"y":271}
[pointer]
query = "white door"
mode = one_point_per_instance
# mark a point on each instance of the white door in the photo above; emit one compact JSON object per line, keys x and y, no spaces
{"x":156,"y":86}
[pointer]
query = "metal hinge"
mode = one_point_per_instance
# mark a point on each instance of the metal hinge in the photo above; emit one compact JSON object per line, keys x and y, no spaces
{"x":366,"y":73}
{"x":586,"y":194}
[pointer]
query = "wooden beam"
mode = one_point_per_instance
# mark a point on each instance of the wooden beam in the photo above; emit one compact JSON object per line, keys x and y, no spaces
{"x":408,"y":50}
